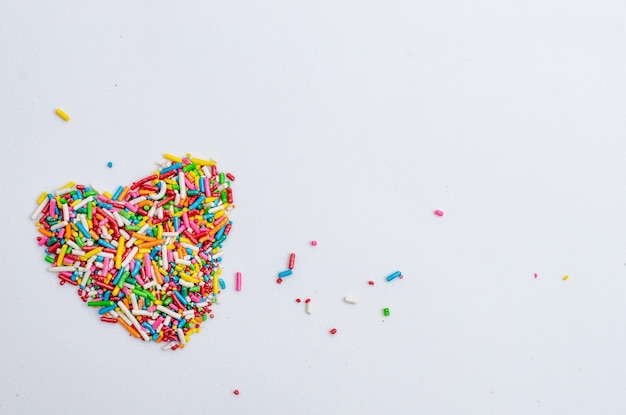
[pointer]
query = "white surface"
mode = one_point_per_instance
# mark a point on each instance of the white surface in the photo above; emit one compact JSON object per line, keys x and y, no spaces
{"x":349,"y":123}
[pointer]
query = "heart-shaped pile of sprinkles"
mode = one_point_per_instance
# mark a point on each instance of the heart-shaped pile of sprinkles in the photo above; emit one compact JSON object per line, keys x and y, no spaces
{"x":148,"y":257}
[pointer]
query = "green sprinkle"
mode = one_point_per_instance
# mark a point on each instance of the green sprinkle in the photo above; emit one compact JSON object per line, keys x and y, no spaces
{"x":100,"y":303}
{"x":89,"y":211}
{"x":50,"y":259}
{"x":386,"y":311}
{"x":167,"y":301}
{"x":189,"y":167}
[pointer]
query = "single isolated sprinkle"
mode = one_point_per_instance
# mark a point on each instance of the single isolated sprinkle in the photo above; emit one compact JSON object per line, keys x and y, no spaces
{"x":110,"y":164}
{"x":394,"y":275}
{"x":535,"y":275}
{"x":350,"y":300}
{"x":236,"y":391}
{"x":298,"y":300}
{"x":370,"y":282}
{"x":292,"y":260}
{"x":314,"y":243}
{"x":565,"y":278}
{"x":386,"y":311}
{"x":333,"y":331}
{"x":438,"y":212}
{"x":62,"y":114}
{"x":148,"y":255}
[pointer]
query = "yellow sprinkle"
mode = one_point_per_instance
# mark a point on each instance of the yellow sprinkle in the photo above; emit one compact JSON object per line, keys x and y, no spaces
{"x":108,"y":195}
{"x":62,"y":114}
{"x":42,"y":198}
{"x":118,"y":253}
{"x":61,"y":255}
{"x":92,"y":253}
{"x":173,"y":158}
{"x":68,"y":185}
{"x":201,"y":162}
{"x":565,"y":278}
{"x":216,"y":285}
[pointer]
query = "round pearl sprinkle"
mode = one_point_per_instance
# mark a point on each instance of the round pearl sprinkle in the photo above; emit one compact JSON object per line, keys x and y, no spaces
{"x":313,"y":243}
{"x":109,"y":164}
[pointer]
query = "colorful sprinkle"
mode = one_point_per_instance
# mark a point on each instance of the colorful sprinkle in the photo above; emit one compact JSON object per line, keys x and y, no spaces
{"x":438,"y":212}
{"x":386,"y":311}
{"x":333,"y":331}
{"x":314,"y":243}
{"x":370,"y":282}
{"x":148,"y":256}
{"x":236,"y":391}
{"x":350,"y":300}
{"x":238,"y":281}
{"x":292,"y":260}
{"x":394,"y":275}
{"x":62,"y":114}
{"x":109,"y":164}
{"x":565,"y":278}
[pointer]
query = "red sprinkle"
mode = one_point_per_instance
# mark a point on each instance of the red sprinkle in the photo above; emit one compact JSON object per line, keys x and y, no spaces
{"x":292,"y":260}
{"x":297,"y":300}
{"x":279,"y":281}
{"x":370,"y":282}
{"x":236,"y":391}
{"x":308,"y":300}
{"x":333,"y":331}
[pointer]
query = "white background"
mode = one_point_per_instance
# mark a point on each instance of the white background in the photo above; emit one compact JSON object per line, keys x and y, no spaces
{"x":348,"y":122}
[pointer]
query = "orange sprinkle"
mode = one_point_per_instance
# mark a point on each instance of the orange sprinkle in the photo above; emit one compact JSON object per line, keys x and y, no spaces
{"x":129,"y":328}
{"x":45,"y":232}
{"x":151,"y":244}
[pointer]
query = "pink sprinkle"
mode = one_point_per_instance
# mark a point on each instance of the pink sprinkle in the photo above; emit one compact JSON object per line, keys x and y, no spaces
{"x":535,"y":275}
{"x":238,"y":281}
{"x":439,"y":212}
{"x":314,"y":243}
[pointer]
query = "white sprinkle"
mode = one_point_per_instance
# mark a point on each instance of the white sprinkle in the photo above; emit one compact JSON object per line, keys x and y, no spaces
{"x":82,"y":203}
{"x":169,"y":312}
{"x":39,"y":208}
{"x":62,"y":269}
{"x":58,"y":225}
{"x":350,"y":300}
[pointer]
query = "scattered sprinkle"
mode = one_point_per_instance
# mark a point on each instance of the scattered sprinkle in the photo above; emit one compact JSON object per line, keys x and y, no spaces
{"x":298,"y":300}
{"x":314,"y":243}
{"x":333,"y":331}
{"x":279,"y":280}
{"x":292,"y":260}
{"x":438,"y":212}
{"x":285,"y":273}
{"x":238,"y":281}
{"x":62,"y":114}
{"x":308,"y":308}
{"x":350,"y":300}
{"x":386,"y":311}
{"x":370,"y":282}
{"x":110,"y":164}
{"x":236,"y":391}
{"x":565,"y":278}
{"x":535,"y":275}
{"x":394,"y":275}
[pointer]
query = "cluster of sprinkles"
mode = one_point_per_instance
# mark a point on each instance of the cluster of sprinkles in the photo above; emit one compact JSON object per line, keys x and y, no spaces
{"x":289,"y":270}
{"x":148,"y":256}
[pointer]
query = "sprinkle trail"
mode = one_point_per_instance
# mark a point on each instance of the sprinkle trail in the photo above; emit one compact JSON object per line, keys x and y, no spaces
{"x":148,"y":256}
